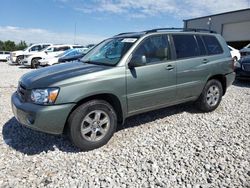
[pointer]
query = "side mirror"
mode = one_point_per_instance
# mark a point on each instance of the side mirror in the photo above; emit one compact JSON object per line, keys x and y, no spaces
{"x":137,"y":61}
{"x":46,"y":52}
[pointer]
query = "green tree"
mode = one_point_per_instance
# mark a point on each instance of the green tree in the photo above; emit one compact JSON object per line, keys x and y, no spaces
{"x":1,"y":45}
{"x":9,"y":45}
{"x":21,"y":45}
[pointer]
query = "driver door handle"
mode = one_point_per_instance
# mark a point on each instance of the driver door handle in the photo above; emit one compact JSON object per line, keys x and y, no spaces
{"x":169,"y":67}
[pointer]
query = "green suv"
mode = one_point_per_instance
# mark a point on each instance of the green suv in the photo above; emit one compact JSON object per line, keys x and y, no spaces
{"x":127,"y":74}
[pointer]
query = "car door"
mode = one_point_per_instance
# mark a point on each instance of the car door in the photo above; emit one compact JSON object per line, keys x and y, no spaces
{"x":192,"y":65}
{"x":153,"y":84}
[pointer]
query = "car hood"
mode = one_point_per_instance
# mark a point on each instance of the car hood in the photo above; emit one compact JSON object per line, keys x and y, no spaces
{"x":245,"y":50}
{"x":49,"y":76}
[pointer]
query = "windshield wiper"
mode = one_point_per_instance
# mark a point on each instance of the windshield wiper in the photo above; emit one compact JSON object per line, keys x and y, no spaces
{"x":96,"y":63}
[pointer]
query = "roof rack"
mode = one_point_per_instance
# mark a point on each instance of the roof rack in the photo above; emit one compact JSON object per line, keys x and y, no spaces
{"x":179,"y":29}
{"x":125,"y":33}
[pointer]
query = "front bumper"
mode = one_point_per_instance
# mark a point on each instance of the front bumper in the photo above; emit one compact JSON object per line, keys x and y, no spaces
{"x":48,"y":119}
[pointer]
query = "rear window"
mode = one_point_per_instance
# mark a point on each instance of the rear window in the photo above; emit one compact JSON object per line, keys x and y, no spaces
{"x":201,"y":45}
{"x":212,"y":44}
{"x":185,"y":46}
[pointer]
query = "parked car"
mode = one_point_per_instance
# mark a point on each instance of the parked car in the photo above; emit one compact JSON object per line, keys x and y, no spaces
{"x":245,"y":51}
{"x":16,"y":57}
{"x":73,"y":56}
{"x":4,"y":55}
{"x":68,"y":55}
{"x":52,"y":51}
{"x":234,"y":53}
{"x":122,"y":76}
{"x":243,"y":68}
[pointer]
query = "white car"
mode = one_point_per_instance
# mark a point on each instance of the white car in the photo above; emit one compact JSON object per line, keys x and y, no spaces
{"x":4,"y":55}
{"x":245,"y":51}
{"x":17,"y":56}
{"x":52,"y":51}
{"x":234,"y":53}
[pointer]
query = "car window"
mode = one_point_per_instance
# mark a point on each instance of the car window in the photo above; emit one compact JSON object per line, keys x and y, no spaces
{"x":110,"y":51}
{"x":1,"y":52}
{"x":201,"y":45}
{"x":7,"y":52}
{"x":185,"y":46}
{"x":78,"y":46}
{"x":63,"y":48}
{"x":154,"y":48}
{"x":212,"y":45}
{"x":35,"y":48}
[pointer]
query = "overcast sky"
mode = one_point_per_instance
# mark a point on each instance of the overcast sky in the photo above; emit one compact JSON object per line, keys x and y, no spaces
{"x":55,"y":20}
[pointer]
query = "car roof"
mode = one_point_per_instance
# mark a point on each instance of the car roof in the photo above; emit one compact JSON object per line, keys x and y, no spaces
{"x":164,"y":31}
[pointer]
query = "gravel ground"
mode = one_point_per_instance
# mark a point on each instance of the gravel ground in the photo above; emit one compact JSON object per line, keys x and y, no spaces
{"x":172,"y":147}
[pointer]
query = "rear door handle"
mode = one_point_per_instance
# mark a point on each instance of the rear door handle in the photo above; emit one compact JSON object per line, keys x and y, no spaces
{"x":205,"y":61}
{"x":170,"y":67}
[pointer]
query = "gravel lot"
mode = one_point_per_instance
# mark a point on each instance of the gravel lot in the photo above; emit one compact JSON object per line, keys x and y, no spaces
{"x":172,"y":147}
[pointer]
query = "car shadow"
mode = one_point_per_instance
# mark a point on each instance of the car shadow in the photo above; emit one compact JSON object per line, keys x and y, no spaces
{"x":242,"y":83}
{"x":32,"y":142}
{"x":23,"y":67}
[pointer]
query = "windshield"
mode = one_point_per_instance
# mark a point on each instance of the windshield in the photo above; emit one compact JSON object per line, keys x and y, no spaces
{"x":109,"y":52}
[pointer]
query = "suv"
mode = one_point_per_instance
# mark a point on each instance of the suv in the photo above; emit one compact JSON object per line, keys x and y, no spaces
{"x":32,"y":60}
{"x":16,"y":57}
{"x":122,"y":76}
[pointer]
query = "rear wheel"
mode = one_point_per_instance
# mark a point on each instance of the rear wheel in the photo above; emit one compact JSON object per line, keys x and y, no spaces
{"x":210,"y":97}
{"x":35,"y":63}
{"x":92,"y":124}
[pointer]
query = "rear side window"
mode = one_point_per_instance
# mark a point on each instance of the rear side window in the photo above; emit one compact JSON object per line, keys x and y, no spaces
{"x":201,"y":45}
{"x":1,"y":52}
{"x":7,"y":52}
{"x":212,"y":44}
{"x":185,"y":46}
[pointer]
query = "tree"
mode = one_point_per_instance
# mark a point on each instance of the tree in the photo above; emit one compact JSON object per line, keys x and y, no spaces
{"x":9,"y":45}
{"x":21,"y":45}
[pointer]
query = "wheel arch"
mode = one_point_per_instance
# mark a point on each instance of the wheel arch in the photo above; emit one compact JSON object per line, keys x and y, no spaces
{"x":112,"y":99}
{"x":222,"y":79}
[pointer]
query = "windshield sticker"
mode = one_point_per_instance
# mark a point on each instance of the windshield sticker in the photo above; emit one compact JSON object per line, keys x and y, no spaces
{"x":129,"y":40}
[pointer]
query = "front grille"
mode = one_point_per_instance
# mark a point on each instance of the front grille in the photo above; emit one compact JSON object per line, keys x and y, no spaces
{"x":246,"y":67}
{"x":22,"y":92}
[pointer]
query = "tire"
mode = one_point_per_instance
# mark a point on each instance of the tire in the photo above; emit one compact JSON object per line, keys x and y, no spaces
{"x":83,"y":128}
{"x":18,"y":60}
{"x":34,"y":63}
{"x":211,"y":96}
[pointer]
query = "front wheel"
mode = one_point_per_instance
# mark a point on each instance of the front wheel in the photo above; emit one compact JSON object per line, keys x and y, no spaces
{"x":92,"y":124}
{"x":34,"y":63}
{"x":19,"y":60}
{"x":211,"y":96}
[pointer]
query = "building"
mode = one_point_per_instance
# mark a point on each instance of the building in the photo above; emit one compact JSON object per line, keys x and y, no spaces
{"x":233,"y":26}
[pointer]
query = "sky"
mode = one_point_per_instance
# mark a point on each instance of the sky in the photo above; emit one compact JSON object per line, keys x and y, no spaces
{"x":91,"y":21}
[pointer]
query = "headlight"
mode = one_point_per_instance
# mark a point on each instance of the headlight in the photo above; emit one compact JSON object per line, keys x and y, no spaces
{"x":13,"y":54}
{"x":44,"y":96}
